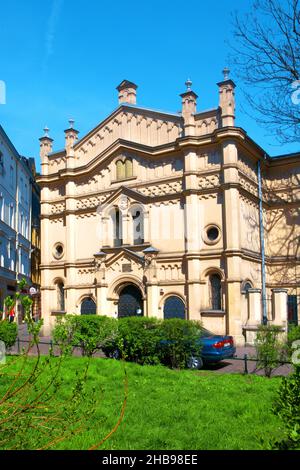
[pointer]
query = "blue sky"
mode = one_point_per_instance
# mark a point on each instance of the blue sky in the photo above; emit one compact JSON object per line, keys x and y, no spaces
{"x":64,"y":58}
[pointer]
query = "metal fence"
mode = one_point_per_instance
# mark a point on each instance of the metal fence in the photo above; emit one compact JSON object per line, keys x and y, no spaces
{"x":244,"y":364}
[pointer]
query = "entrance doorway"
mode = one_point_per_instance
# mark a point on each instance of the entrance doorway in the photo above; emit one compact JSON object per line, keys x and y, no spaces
{"x":130,"y":301}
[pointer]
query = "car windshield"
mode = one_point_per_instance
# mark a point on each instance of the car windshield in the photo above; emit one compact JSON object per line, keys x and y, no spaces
{"x":205,"y":332}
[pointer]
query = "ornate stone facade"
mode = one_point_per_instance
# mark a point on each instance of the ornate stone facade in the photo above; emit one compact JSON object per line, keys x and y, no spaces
{"x":159,"y":213}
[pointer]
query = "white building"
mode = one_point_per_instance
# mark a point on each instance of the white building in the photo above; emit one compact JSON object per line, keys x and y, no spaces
{"x":15,"y":217}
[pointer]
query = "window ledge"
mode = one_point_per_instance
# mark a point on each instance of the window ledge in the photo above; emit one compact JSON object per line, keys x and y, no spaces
{"x":212,"y":313}
{"x":124,"y":179}
{"x":58,"y":312}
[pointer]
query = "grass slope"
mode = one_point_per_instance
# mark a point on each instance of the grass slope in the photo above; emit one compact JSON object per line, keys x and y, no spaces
{"x":168,"y":409}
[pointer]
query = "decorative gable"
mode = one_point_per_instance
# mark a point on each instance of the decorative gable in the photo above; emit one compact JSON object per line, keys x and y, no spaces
{"x":132,"y":125}
{"x":125,"y":261}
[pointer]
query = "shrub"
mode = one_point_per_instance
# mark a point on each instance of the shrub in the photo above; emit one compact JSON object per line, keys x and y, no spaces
{"x":88,"y":332}
{"x":8,"y":333}
{"x":269,"y":348}
{"x":287,"y":407}
{"x":152,"y":341}
{"x":293,"y":335}
{"x":137,"y":340}
{"x":180,"y":342}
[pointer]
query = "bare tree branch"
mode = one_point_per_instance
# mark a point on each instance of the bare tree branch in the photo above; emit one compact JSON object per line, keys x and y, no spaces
{"x":266,"y":57}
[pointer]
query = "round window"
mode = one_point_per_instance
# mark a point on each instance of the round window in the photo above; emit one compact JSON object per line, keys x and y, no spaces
{"x":58,"y":250}
{"x":213,"y":234}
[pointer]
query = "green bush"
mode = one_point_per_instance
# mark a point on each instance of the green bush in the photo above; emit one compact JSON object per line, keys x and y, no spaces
{"x":180,"y":342}
{"x":287,"y":407}
{"x":269,"y":349}
{"x":152,"y":341}
{"x":8,"y":333}
{"x":137,"y":340}
{"x":293,"y":335}
{"x":88,"y":332}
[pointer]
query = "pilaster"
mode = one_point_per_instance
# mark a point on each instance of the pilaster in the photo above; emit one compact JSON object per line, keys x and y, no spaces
{"x":254,"y":307}
{"x":279,"y":301}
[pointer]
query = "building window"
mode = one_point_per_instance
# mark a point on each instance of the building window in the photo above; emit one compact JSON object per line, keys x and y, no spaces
{"x":117,"y":227}
{"x":88,"y":307}
{"x":58,"y":251}
{"x":22,"y":190}
{"x":124,"y":169}
{"x":128,"y":168}
{"x":246,"y":286}
{"x":25,"y":227}
{"x":1,"y":207}
{"x":2,"y":252}
{"x":11,"y":216}
{"x":60,"y":290}
{"x":211,"y":234}
{"x":174,"y":307}
{"x":21,"y":224}
{"x":11,"y":176}
{"x":138,"y":227}
{"x":120,"y":170}
{"x":215,"y":292}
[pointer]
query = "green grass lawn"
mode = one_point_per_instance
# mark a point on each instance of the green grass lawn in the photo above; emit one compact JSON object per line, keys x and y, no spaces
{"x":169,"y":409}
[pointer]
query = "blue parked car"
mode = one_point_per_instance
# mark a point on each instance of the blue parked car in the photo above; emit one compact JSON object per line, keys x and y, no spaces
{"x":215,"y":348}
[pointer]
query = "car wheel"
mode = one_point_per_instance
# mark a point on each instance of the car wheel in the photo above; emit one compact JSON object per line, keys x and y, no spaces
{"x":194,"y":363}
{"x":115,"y":354}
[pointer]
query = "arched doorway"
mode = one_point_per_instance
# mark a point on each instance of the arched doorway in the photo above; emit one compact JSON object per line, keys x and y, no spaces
{"x":130,"y":301}
{"x":88,"y":307}
{"x":174,"y":308}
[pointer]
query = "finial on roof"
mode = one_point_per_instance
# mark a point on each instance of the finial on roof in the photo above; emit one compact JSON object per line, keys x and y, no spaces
{"x":188,"y":84}
{"x":46,"y":131}
{"x":226,"y":73}
{"x":71,"y":122}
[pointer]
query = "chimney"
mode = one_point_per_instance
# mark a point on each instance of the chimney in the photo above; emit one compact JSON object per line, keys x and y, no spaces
{"x":227,"y":99}
{"x":189,"y":104}
{"x":45,"y":148}
{"x":71,"y":136}
{"x":127,"y":92}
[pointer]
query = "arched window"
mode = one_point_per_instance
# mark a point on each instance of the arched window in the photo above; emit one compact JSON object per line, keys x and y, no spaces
{"x":60,"y":296}
{"x":124,"y":169}
{"x":247,"y":285}
{"x":128,"y":168}
{"x":88,"y":307}
{"x":215,"y":292}
{"x":120,"y":170}
{"x":117,"y":227}
{"x":174,"y":308}
{"x":138,"y":226}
